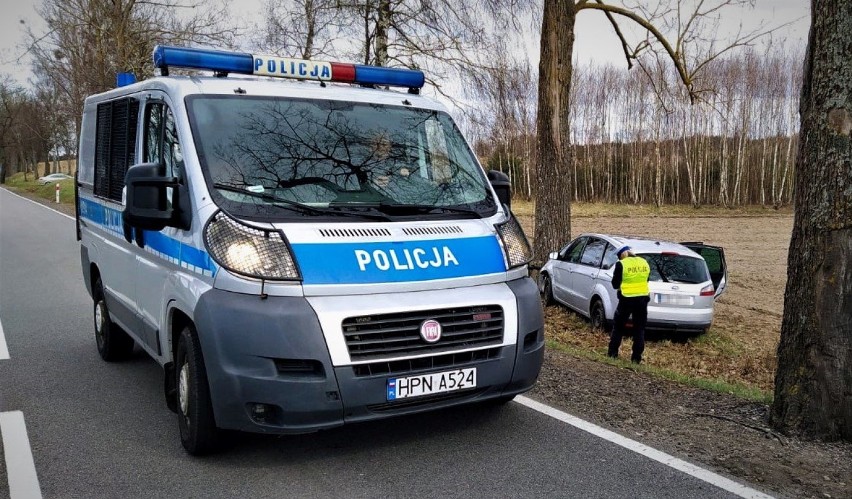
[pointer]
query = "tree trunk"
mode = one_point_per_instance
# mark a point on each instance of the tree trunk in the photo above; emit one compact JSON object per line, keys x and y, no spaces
{"x":813,"y":384}
{"x":555,"y":155}
{"x":382,"y":25}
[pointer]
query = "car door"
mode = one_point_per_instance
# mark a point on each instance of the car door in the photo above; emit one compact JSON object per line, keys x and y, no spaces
{"x":568,"y":258}
{"x":715,"y":258}
{"x":585,"y":273}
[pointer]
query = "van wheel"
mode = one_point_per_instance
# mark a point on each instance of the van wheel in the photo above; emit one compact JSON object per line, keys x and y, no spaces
{"x":547,"y":290}
{"x":597,"y":315}
{"x":198,"y":432}
{"x":113,"y":343}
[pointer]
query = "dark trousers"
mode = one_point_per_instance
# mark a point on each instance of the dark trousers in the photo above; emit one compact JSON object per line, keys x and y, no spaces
{"x":637,"y":307}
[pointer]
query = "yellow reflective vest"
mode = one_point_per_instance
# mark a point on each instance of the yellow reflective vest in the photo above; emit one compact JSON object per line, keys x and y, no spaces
{"x":634,"y":276}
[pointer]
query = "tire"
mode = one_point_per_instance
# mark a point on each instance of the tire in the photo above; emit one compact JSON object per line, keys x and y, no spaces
{"x":547,"y":290}
{"x":113,"y":343}
{"x":198,"y":432}
{"x":597,"y":315}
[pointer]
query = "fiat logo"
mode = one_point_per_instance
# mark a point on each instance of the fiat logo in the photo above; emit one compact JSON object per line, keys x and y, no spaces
{"x":430,"y":331}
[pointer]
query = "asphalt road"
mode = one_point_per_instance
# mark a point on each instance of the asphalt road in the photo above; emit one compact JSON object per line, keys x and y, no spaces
{"x":103,"y":430}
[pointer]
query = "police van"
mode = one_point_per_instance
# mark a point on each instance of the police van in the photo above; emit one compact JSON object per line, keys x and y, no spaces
{"x":299,"y":254}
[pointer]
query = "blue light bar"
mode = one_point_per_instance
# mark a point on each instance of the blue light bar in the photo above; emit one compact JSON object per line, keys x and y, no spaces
{"x":213,"y":60}
{"x":280,"y":67}
{"x":124,"y":79}
{"x":394,"y":77}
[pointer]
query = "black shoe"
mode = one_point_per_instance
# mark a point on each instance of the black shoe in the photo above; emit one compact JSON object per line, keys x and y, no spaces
{"x":612,"y":356}
{"x":636,"y":361}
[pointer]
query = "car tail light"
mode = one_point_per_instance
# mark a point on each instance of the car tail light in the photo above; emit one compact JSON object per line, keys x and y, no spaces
{"x":708,"y":290}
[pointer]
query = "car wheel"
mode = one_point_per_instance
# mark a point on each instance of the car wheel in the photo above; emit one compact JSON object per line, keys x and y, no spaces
{"x":113,"y":343}
{"x":547,"y":290}
{"x":597,"y":315}
{"x":198,"y":432}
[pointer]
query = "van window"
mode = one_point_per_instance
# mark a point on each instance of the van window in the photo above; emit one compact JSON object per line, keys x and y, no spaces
{"x":676,"y":268}
{"x":115,"y":145}
{"x":593,"y":254}
{"x":262,"y":154}
{"x":161,"y":139}
{"x":610,"y":257}
{"x":575,"y":250}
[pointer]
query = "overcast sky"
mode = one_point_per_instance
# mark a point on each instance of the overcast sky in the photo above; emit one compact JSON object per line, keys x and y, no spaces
{"x":594,"y":38}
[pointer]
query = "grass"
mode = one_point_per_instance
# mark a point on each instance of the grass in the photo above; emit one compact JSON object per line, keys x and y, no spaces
{"x":527,"y":208}
{"x":66,"y":188}
{"x":715,"y":361}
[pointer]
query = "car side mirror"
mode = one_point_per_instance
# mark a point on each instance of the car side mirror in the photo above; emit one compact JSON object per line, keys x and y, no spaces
{"x":554,"y":255}
{"x":500,"y":182}
{"x":151,"y":197}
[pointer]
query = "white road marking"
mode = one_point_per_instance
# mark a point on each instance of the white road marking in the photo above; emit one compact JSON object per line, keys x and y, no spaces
{"x":4,"y":350}
{"x":20,"y":467}
{"x":39,"y":204}
{"x":649,"y":452}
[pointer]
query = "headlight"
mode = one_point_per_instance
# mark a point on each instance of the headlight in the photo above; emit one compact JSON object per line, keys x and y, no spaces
{"x":263,"y":254}
{"x":514,"y":242}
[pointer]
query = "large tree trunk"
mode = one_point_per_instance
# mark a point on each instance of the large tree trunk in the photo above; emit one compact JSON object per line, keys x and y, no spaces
{"x":813,"y":384}
{"x":555,"y":156}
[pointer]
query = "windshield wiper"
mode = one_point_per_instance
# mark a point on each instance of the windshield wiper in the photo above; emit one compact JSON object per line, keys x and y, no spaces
{"x":277,"y":201}
{"x":660,"y":271}
{"x":425,"y":208}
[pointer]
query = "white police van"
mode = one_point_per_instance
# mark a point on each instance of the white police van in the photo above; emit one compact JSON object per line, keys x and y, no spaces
{"x":299,"y":255}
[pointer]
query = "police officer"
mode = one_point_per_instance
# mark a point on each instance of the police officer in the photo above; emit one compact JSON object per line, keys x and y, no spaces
{"x":630,"y":278}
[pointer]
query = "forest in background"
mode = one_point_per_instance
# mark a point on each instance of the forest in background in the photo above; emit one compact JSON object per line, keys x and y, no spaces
{"x":637,"y":139}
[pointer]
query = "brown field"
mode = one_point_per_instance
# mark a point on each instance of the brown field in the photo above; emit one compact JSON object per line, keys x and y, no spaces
{"x":740,"y":347}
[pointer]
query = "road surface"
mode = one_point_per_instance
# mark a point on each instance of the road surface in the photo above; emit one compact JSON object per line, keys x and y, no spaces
{"x":75,"y":426}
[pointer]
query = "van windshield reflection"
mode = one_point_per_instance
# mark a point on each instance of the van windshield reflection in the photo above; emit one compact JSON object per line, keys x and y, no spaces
{"x":265,"y":156}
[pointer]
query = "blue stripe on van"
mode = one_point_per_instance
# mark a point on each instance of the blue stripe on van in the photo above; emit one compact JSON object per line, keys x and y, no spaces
{"x":398,"y":261}
{"x":181,"y":254}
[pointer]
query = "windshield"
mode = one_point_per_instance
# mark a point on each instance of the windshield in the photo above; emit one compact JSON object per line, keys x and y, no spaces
{"x":270,"y":157}
{"x":676,"y":268}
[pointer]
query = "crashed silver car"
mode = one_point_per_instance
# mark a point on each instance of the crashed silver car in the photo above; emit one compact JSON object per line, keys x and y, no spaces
{"x":686,"y":278}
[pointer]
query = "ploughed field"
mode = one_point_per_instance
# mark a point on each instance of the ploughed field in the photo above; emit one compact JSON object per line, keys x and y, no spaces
{"x":741,"y":345}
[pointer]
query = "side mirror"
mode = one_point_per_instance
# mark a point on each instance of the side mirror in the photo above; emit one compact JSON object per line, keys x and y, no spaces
{"x":500,"y":183}
{"x":149,"y":205}
{"x":554,"y":255}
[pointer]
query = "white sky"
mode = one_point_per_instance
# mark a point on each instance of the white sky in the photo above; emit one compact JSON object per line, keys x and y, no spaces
{"x":594,"y":42}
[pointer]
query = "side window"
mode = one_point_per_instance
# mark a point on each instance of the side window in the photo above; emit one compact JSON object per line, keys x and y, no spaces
{"x":576,"y":250}
{"x":610,"y":257}
{"x":593,"y":254}
{"x":161,"y":139}
{"x":115,"y":145}
{"x":153,"y":132}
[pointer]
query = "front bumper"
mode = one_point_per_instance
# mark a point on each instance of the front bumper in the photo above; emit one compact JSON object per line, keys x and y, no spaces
{"x":272,"y":351}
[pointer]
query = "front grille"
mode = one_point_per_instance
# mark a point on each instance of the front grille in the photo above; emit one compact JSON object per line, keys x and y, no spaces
{"x":398,"y":334}
{"x":443,"y":361}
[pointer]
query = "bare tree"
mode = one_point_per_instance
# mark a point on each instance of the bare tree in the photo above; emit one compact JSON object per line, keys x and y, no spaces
{"x":89,"y":41}
{"x":686,"y":50}
{"x":814,"y":375}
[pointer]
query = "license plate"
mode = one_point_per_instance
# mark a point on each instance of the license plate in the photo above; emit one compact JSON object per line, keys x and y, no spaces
{"x":672,"y":299}
{"x":428,"y":384}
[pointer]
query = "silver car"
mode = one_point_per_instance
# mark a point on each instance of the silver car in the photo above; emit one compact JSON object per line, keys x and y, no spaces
{"x":685,"y":280}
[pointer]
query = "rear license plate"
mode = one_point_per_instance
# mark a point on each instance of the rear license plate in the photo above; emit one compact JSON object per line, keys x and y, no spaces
{"x":673,"y":299}
{"x":428,"y":384}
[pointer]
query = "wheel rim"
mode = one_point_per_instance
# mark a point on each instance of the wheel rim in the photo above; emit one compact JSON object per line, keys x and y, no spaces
{"x":100,"y":321}
{"x":183,"y":389}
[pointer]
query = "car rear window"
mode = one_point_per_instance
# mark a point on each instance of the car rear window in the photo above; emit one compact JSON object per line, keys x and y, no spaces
{"x":676,"y":268}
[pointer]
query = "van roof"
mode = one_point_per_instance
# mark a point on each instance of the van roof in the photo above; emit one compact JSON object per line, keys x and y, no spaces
{"x":179,"y":87}
{"x":646,"y":245}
